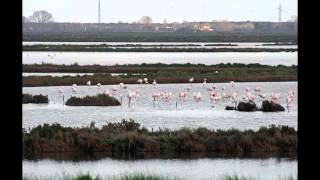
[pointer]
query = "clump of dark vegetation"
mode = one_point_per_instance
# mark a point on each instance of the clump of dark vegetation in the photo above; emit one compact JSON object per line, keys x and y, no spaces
{"x":37,"y":99}
{"x":104,"y":48}
{"x":130,"y":137}
{"x":98,"y":100}
{"x":105,"y":36}
{"x":163,"y":73}
{"x":247,"y":106}
{"x":269,"y":106}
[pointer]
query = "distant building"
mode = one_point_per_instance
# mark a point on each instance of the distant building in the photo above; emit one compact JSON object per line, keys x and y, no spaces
{"x":206,"y":27}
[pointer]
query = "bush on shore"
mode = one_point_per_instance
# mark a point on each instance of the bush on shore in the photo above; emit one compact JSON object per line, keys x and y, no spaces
{"x":130,"y":137}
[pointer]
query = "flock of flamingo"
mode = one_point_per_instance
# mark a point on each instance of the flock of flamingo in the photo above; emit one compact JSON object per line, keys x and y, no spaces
{"x":213,"y":92}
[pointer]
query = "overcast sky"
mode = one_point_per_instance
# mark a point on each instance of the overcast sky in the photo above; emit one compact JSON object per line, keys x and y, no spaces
{"x":158,"y":10}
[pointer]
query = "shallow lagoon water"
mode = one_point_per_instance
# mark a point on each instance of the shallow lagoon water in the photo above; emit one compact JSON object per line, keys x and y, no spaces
{"x":163,"y":114}
{"x":204,"y":168}
{"x":112,"y":58}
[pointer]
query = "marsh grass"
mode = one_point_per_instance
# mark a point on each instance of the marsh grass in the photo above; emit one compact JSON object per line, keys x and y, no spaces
{"x":137,"y":176}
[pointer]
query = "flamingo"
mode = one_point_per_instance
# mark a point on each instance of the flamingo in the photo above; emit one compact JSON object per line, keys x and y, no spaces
{"x":191,"y":80}
{"x":275,"y":98}
{"x":250,"y":97}
{"x":289,"y":102}
{"x":74,"y":88}
{"x":139,"y":81}
{"x":155,"y":96}
{"x":197,"y":96}
{"x":131,"y":94}
{"x":114,"y":88}
{"x":61,"y":94}
{"x":88,"y":83}
{"x":232,"y":83}
{"x":204,"y":81}
{"x":154,"y":82}
{"x":108,"y":93}
{"x":99,"y":85}
{"x":145,"y":80}
{"x":189,"y":88}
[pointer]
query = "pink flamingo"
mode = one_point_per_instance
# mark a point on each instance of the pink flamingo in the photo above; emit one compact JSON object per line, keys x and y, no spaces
{"x":232,"y":83}
{"x":145,"y":80}
{"x":74,"y":88}
{"x":197,"y":96}
{"x":275,"y":98}
{"x":139,"y":81}
{"x":108,"y":93}
{"x":204,"y":81}
{"x":131,"y":94}
{"x":61,"y":92}
{"x":191,"y":80}
{"x":154,"y":82}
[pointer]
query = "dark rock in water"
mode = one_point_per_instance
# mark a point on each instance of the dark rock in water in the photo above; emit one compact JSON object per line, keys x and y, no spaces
{"x":248,"y":107}
{"x":269,"y":106}
{"x":230,"y":108}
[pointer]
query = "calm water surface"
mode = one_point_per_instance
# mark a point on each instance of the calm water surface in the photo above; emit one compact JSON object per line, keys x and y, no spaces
{"x":204,"y":168}
{"x":112,"y":58}
{"x":163,"y":114}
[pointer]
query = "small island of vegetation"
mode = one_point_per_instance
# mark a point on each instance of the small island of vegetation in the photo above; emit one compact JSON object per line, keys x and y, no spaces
{"x":98,"y":100}
{"x":37,"y":99}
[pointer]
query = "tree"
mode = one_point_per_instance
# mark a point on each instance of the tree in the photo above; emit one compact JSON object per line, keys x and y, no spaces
{"x":145,"y":20}
{"x":41,"y":17}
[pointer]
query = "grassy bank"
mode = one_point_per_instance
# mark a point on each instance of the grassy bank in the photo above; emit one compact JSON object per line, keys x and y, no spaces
{"x":130,"y":137}
{"x":163,"y":73}
{"x":160,"y":36}
{"x":154,"y":177}
{"x":107,"y":48}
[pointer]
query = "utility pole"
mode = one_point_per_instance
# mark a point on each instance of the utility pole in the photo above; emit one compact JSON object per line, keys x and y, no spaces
{"x":99,"y":13}
{"x":280,"y":11}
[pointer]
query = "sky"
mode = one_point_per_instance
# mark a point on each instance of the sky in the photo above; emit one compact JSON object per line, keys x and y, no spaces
{"x":158,"y":10}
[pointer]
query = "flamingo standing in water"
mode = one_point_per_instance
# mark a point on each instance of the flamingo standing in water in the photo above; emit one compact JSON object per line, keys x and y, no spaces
{"x":204,"y":81}
{"x":74,"y":88}
{"x":61,"y":92}
{"x":232,"y":83}
{"x":99,"y":85}
{"x":139,"y":81}
{"x":155,"y":96}
{"x":131,"y":94}
{"x":154,"y":82}
{"x":257,"y":90}
{"x":88,"y":83}
{"x":197,"y":96}
{"x":275,"y":98}
{"x":191,"y":80}
{"x":290,"y":97}
{"x":145,"y":80}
